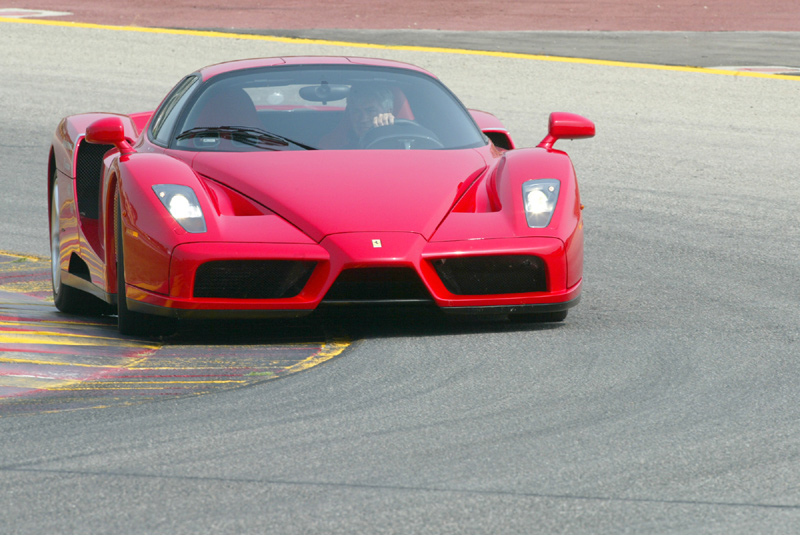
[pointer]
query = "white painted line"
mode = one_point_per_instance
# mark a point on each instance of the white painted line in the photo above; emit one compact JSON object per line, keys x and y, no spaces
{"x":762,"y":69}
{"x":14,"y":13}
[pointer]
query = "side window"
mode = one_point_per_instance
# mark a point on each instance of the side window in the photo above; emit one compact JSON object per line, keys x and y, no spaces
{"x":165,"y":117}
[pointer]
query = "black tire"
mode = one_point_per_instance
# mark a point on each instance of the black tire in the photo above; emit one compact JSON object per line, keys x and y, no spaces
{"x":130,"y":322}
{"x":66,"y":298}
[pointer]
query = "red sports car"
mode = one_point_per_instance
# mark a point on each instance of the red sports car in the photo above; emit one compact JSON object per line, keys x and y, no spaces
{"x":269,"y":187}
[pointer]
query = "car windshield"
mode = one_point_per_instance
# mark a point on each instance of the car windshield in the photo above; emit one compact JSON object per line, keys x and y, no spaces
{"x":325,"y":107}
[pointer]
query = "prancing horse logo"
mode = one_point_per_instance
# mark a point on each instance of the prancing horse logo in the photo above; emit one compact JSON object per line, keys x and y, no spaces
{"x":377,"y":243}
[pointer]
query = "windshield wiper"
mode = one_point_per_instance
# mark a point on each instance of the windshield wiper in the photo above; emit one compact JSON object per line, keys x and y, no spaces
{"x":255,"y":137}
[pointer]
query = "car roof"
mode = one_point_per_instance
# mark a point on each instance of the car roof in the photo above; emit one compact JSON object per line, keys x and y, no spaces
{"x":236,"y":65}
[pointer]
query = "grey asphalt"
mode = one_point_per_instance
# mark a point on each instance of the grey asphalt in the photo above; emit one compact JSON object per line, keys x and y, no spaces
{"x":695,"y":49}
{"x":666,"y":403}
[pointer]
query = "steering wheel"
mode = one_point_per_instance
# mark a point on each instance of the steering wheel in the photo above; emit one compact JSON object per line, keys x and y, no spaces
{"x":403,"y":134}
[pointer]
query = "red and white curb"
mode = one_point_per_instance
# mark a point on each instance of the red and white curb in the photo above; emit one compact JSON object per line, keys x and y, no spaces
{"x":15,"y":13}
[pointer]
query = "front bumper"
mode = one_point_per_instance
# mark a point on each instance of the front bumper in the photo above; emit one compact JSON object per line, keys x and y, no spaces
{"x":357,"y":253}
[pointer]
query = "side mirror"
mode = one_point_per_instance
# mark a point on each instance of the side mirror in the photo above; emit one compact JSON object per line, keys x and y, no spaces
{"x":566,"y":126}
{"x":109,"y":131}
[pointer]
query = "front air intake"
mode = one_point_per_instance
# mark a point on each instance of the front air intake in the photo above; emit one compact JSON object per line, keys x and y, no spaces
{"x":375,"y":285}
{"x":252,"y":279}
{"x":492,"y":275}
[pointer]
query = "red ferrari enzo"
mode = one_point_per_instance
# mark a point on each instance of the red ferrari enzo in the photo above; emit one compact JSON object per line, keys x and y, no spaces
{"x":269,"y":187}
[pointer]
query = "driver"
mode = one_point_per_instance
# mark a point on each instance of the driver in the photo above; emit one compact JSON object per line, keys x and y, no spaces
{"x":367,"y":107}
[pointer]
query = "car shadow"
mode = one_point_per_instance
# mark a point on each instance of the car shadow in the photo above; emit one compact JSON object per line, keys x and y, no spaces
{"x":350,"y":322}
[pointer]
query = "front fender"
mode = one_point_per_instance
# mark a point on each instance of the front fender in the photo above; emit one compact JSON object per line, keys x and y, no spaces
{"x":149,"y":232}
{"x":519,"y":166}
{"x":503,"y":215}
{"x":498,"y":197}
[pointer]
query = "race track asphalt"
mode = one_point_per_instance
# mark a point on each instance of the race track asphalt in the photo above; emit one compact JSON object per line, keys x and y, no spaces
{"x":667,"y":402}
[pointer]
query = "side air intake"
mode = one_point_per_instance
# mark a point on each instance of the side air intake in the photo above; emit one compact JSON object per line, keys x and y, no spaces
{"x":88,"y":167}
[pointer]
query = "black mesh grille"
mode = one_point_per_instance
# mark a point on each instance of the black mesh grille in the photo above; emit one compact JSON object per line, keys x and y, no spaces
{"x":378,"y":284}
{"x":490,"y":275}
{"x":252,"y":279}
{"x":87,"y":177}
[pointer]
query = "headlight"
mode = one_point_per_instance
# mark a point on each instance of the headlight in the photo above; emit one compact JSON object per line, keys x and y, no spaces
{"x":182,"y":204}
{"x":540,"y":198}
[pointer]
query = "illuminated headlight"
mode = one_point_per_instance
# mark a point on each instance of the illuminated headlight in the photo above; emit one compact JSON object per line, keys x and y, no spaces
{"x":540,"y":198}
{"x":182,"y":204}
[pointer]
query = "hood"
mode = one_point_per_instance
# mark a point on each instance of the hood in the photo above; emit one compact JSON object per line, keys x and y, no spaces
{"x":330,"y":192}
